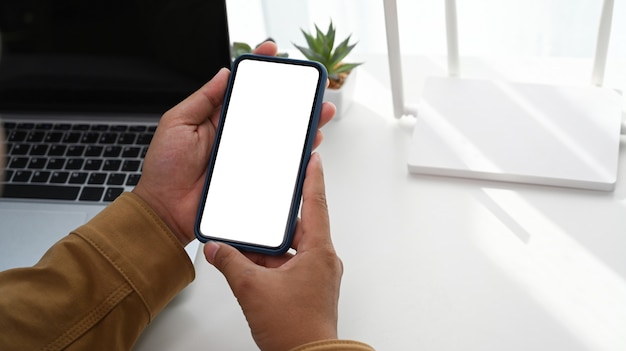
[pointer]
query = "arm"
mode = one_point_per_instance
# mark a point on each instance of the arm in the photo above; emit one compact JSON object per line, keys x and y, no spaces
{"x":100,"y":285}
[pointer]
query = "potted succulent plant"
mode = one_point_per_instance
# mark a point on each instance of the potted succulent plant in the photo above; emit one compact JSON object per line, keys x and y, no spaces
{"x":321,"y":48}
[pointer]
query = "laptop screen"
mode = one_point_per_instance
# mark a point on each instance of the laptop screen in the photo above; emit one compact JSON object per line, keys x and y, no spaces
{"x":108,"y":55}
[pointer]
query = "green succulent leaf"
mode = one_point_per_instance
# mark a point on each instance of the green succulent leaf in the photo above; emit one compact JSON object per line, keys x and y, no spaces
{"x":321,"y":48}
{"x":342,"y":50}
{"x":311,"y":54}
{"x":320,"y":39}
{"x":329,"y":40}
{"x":346,"y":67}
{"x":310,"y":41}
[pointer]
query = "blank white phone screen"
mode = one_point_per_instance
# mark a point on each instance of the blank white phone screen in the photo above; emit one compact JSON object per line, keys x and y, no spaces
{"x":256,"y":167}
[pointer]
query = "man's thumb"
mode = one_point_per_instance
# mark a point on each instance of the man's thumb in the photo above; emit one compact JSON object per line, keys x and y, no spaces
{"x":224,"y":257}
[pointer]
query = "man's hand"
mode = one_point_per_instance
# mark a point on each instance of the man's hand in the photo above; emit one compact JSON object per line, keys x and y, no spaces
{"x":289,"y":300}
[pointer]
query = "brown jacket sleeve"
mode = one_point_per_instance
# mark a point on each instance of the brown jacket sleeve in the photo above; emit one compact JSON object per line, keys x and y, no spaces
{"x":97,"y":288}
{"x":334,"y":345}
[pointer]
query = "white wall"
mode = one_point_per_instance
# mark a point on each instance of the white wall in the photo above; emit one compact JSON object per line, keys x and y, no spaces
{"x":486,"y":27}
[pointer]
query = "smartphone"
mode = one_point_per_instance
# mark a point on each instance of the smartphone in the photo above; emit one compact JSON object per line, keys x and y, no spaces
{"x":268,"y":123}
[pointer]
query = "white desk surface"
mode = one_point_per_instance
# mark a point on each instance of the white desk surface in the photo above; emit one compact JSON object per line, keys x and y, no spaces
{"x":435,"y":263}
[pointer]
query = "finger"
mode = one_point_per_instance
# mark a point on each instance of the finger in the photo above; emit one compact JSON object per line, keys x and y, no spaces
{"x":227,"y":259}
{"x":267,"y":260}
{"x":297,"y":236}
{"x":319,"y":137}
{"x":267,"y":48}
{"x":328,"y":112}
{"x":203,"y":103}
{"x":315,"y":225}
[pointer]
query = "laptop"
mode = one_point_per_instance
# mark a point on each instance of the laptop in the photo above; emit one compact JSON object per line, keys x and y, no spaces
{"x":82,"y":87}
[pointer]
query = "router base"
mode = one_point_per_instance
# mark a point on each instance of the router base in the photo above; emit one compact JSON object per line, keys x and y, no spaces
{"x":518,"y":132}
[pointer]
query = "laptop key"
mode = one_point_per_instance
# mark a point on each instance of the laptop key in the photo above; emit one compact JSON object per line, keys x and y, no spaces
{"x":37,"y":163}
{"x":62,"y":126}
{"x":93,"y":150}
{"x":119,"y":128}
{"x":93,"y":164}
{"x":25,"y":125}
{"x":35,"y":136}
{"x":18,"y":162}
{"x":8,"y":174}
{"x":111,"y":165}
{"x":47,"y":192}
{"x":53,"y":137}
{"x":127,"y":138}
{"x":9,"y":125}
{"x":91,"y":193}
{"x":131,"y":166}
{"x":72,"y":137}
{"x":20,"y":149}
{"x":80,"y":127}
{"x":116,"y":179}
{"x":131,"y":152}
{"x":144,"y":139}
{"x":40,"y":177}
{"x":22,"y":176}
{"x":133,"y":179}
{"x":112,"y":151}
{"x":74,"y":163}
{"x":137,"y":128}
{"x":59,"y":177}
{"x":75,"y":150}
{"x":39,"y":150}
{"x":108,"y":138}
{"x":56,"y":163}
{"x":17,"y":135}
{"x":90,"y":138}
{"x":78,"y":178}
{"x":97,"y":178}
{"x":57,"y":150}
{"x":43,"y":126}
{"x":112,"y":193}
{"x":100,"y":127}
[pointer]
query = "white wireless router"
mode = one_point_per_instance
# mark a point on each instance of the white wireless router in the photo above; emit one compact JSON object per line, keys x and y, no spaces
{"x":508,"y":131}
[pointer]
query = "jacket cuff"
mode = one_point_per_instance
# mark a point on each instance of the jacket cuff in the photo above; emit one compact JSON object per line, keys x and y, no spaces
{"x":140,"y":246}
{"x":334,"y":345}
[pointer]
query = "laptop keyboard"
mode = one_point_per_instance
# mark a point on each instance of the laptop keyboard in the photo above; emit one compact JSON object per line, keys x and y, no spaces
{"x":73,"y":161}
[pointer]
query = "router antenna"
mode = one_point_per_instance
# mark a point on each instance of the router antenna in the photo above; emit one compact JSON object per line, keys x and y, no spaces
{"x":393,"y":54}
{"x":452,"y":38}
{"x":602,"y":43}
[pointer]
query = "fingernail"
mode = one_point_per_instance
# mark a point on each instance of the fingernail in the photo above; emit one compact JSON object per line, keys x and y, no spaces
{"x":210,"y":251}
{"x":319,"y":159}
{"x":222,"y":71}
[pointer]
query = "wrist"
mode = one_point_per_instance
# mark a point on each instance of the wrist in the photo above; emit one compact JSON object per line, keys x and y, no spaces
{"x":163,"y":214}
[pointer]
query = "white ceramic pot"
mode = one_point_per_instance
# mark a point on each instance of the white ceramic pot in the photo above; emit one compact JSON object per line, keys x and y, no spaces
{"x":342,"y":97}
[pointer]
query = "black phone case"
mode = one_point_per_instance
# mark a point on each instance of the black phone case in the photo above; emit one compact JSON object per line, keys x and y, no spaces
{"x":310,"y":137}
